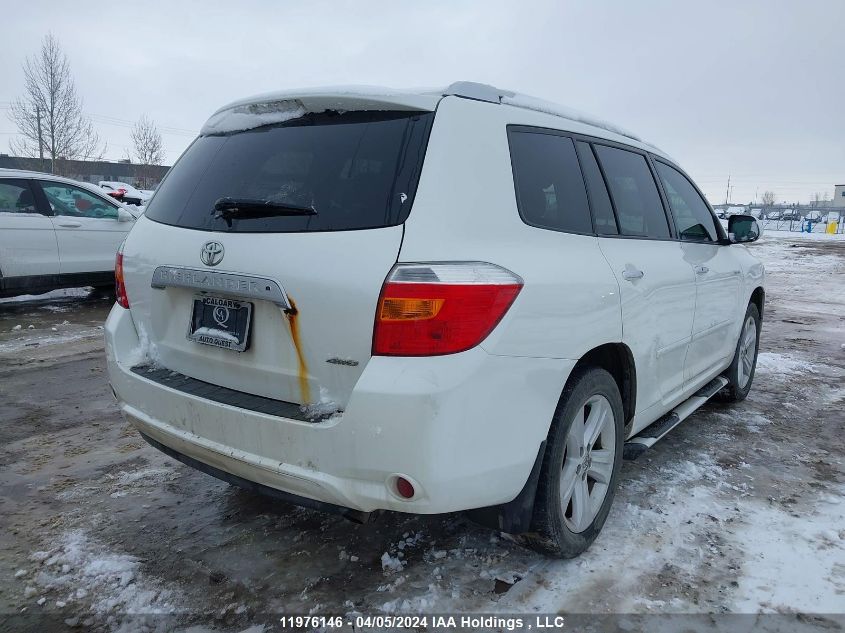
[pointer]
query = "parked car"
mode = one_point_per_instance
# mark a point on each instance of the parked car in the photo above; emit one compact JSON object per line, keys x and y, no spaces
{"x":128,"y":193}
{"x":117,"y":194}
{"x":428,"y":303}
{"x":813,"y":217}
{"x":56,"y":233}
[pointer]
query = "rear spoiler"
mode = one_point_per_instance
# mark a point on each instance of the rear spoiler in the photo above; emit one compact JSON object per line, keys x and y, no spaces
{"x":279,"y":107}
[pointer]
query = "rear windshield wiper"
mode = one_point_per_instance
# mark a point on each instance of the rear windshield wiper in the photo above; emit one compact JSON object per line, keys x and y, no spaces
{"x":245,"y":208}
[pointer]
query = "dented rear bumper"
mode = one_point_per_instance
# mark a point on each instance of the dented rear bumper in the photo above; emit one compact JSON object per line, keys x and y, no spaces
{"x":464,"y":429}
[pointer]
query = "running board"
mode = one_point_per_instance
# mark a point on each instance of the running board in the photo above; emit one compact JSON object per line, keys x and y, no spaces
{"x":656,"y":431}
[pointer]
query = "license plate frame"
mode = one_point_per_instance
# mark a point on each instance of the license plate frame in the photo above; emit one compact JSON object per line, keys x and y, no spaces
{"x":221,"y":322}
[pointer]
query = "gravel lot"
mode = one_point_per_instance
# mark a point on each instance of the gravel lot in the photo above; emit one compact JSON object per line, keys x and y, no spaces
{"x":741,"y":509}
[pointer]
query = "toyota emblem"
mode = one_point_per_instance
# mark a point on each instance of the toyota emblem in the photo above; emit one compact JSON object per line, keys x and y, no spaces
{"x":212,"y":253}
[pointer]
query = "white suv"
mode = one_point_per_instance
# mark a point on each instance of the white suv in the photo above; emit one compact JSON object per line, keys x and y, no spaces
{"x":428,"y":302}
{"x":56,"y":233}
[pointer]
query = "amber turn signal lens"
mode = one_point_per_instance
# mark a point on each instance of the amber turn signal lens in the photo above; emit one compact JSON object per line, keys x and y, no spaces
{"x":409,"y":309}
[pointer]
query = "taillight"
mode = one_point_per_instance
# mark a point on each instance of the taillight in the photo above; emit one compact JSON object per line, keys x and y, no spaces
{"x":434,"y":309}
{"x":119,"y":283}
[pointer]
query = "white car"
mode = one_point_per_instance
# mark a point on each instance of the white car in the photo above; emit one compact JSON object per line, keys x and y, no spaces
{"x":131,"y":195}
{"x":428,"y":302}
{"x":56,"y":233}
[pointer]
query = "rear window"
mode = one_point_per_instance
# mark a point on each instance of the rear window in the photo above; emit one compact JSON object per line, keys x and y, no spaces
{"x":549,"y":188}
{"x":356,"y":170}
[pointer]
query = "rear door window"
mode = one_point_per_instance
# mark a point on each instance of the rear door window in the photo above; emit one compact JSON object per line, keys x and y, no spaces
{"x":603,"y":218}
{"x":692,"y":215}
{"x":549,"y":187}
{"x":639,"y":208}
{"x":355,"y":170}
{"x":16,"y":196}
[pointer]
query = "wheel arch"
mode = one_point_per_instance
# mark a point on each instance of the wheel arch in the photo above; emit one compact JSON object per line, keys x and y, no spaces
{"x":758,"y":298}
{"x":515,"y":516}
{"x":618,"y":360}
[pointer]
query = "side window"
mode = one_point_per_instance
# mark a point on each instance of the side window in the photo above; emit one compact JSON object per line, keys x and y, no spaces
{"x":76,"y":202}
{"x":550,"y":190}
{"x":692,"y":216}
{"x":638,"y":205}
{"x":603,"y":217}
{"x":16,"y":197}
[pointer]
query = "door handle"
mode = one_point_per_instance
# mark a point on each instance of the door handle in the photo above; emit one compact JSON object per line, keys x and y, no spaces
{"x":70,"y":225}
{"x":701,"y":270}
{"x":631,"y":273}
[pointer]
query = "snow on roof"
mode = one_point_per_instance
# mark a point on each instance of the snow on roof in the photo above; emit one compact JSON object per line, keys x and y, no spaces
{"x":483,"y":92}
{"x":278,"y":107}
{"x":549,"y":107}
{"x":253,"y":115}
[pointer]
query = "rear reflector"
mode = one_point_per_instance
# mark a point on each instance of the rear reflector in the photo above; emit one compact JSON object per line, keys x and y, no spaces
{"x":119,"y":284}
{"x":404,"y":487}
{"x":435,"y":309}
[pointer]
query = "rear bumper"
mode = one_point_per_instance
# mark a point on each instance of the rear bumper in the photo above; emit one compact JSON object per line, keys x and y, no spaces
{"x":464,"y":429}
{"x":287,"y":497}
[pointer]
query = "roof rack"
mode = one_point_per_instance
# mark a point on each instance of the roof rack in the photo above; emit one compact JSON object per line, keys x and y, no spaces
{"x":491,"y":94}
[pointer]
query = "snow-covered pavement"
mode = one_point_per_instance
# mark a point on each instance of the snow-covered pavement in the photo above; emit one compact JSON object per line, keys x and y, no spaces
{"x":741,"y":509}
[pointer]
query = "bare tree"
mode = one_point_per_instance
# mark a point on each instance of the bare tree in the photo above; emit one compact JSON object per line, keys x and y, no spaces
{"x":147,"y":148}
{"x":49,"y":115}
{"x":820,"y":199}
{"x":768,"y":198}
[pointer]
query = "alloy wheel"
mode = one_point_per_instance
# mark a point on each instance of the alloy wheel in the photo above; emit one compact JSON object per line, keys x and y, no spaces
{"x":747,"y":351}
{"x":588,"y":461}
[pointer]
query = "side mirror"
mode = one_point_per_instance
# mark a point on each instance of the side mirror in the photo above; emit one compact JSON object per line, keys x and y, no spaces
{"x":743,"y":229}
{"x":124,"y":216}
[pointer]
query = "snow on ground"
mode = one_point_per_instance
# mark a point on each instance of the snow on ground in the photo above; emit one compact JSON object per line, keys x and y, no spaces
{"x":53,"y":321}
{"x":15,"y":345}
{"x":817,"y":234}
{"x":641,"y":539}
{"x":76,"y":567}
{"x":778,"y":547}
{"x":48,"y":296}
{"x":782,"y":364}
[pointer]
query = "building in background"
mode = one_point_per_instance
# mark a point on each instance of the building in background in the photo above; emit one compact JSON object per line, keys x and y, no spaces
{"x":93,"y":171}
{"x":839,"y":197}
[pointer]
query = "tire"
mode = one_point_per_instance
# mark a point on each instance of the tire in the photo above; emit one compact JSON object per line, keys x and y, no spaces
{"x":558,"y":529}
{"x":740,"y":374}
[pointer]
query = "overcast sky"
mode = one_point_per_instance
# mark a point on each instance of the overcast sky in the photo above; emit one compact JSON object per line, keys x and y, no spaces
{"x":754,"y":89}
